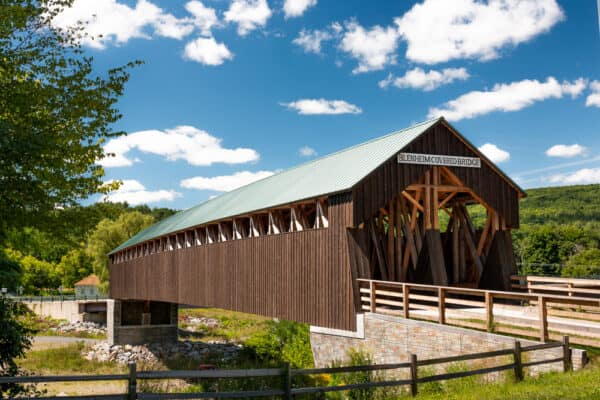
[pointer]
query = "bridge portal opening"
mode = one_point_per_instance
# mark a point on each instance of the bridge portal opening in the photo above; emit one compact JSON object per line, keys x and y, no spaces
{"x":437,"y":230}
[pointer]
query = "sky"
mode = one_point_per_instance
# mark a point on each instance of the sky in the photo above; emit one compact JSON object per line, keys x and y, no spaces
{"x":235,"y":90}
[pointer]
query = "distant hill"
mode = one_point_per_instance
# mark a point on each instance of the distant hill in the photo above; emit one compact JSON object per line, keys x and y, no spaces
{"x":561,"y":205}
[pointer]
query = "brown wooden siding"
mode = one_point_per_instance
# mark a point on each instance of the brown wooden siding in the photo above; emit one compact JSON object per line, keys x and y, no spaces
{"x":383,"y":184}
{"x":302,"y":276}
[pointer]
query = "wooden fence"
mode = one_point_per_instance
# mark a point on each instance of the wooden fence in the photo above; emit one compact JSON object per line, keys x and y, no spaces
{"x":541,"y":316}
{"x":289,"y":389}
{"x":557,"y":285}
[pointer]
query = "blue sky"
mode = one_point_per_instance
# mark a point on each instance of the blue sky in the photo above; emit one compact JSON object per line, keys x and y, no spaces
{"x":234,"y":90}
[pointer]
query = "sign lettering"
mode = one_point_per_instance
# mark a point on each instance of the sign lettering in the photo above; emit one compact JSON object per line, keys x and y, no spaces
{"x":434,"y":159}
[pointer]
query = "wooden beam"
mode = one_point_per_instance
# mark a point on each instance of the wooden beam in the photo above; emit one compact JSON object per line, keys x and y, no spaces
{"x":415,"y":202}
{"x":447,"y":199}
{"x":380,"y":259}
{"x":391,"y":243}
{"x":484,"y":235}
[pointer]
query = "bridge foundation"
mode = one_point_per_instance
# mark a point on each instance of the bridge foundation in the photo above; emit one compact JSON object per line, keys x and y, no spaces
{"x":390,"y":339}
{"x":140,"y":322}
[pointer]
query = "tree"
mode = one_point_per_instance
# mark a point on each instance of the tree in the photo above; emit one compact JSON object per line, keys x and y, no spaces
{"x":74,"y":266}
{"x":10,"y":272}
{"x":111,"y":233}
{"x":583,"y":264}
{"x":55,"y":114}
{"x":15,"y":339}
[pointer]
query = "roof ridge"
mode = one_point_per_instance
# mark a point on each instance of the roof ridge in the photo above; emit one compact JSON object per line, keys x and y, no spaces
{"x":372,"y":140}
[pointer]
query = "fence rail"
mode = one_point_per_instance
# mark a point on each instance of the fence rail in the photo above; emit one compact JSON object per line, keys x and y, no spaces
{"x":557,"y":285}
{"x":288,"y":389}
{"x":542,"y":316}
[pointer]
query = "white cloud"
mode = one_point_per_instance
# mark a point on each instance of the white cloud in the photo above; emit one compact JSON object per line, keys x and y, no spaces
{"x":441,"y":30}
{"x":579,"y":177}
{"x":417,"y":78}
{"x":134,"y":193}
{"x":307,"y":151}
{"x":205,"y":18}
{"x":295,"y":8}
{"x":207,"y":51}
{"x":195,"y":146}
{"x":374,"y":49}
{"x":310,"y":41}
{"x":503,"y":97}
{"x":494,"y":153}
{"x":224,"y":183}
{"x":322,"y":107}
{"x":108,"y":22}
{"x":594,"y":98}
{"x":248,"y":14}
{"x":566,"y":151}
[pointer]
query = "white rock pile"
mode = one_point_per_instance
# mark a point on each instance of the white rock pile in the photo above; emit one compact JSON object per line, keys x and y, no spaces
{"x":162,"y":351}
{"x":198,"y":323}
{"x":80,"y":327}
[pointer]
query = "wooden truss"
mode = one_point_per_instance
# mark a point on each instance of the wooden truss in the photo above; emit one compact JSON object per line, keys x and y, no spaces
{"x":403,"y":241}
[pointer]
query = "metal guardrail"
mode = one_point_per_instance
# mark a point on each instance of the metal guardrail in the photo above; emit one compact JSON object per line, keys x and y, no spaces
{"x":43,"y":299}
{"x":289,"y":389}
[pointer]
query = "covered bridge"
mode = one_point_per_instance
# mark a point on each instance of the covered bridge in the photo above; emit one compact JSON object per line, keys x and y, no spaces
{"x":292,"y":245}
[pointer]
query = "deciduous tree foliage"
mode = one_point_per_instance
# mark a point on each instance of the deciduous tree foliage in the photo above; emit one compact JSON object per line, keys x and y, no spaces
{"x":15,"y":339}
{"x":55,"y":114}
{"x":111,"y":233}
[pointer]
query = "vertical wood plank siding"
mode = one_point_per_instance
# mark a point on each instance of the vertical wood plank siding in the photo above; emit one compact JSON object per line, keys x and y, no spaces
{"x":302,"y":276}
{"x":377,"y":188}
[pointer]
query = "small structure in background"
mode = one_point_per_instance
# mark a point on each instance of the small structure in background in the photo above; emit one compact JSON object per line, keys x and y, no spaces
{"x":87,"y":287}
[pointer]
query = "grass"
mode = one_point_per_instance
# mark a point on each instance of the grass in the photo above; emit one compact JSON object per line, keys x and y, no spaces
{"x":64,"y":361}
{"x":578,"y":385}
{"x":233,"y":326}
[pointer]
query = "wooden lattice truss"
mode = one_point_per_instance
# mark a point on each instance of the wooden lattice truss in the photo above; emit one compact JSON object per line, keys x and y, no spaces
{"x":404,"y":241}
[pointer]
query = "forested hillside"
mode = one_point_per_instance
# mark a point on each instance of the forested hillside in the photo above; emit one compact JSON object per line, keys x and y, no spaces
{"x":72,"y":245}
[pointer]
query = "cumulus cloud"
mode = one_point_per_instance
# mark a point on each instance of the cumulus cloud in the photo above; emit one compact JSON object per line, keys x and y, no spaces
{"x":204,"y":18}
{"x":224,"y":183}
{"x":248,"y":15}
{"x":311,"y":41}
{"x":594,"y":98}
{"x":134,"y":193}
{"x":322,"y":107}
{"x":295,"y":8}
{"x":579,"y":177}
{"x":374,"y":48}
{"x":307,"y":151}
{"x":207,"y":51}
{"x":439,"y":30}
{"x":110,"y":22}
{"x":417,"y":78}
{"x":494,"y":153}
{"x":195,"y":146}
{"x":504,"y":97}
{"x":566,"y":151}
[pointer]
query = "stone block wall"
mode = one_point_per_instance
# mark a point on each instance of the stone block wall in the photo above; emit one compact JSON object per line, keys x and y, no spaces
{"x":392,"y":339}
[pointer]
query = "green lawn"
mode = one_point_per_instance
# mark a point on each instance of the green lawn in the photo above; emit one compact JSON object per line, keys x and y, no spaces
{"x":582,"y":385}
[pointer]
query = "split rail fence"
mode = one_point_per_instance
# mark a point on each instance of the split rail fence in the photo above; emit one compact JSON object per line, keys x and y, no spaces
{"x":538,"y":315}
{"x":289,"y":390}
{"x":557,"y":285}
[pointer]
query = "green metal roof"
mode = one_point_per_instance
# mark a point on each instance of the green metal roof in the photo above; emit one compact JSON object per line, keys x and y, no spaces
{"x":333,"y":173}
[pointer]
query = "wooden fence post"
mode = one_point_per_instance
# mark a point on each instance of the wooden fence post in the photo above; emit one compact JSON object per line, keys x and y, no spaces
{"x":518,"y":362}
{"x":489,"y":312}
{"x":132,"y":386}
{"x":373,"y":293}
{"x":287,"y":381}
{"x":413,"y":375}
{"x":567,"y":360}
{"x":406,"y":300}
{"x":441,"y":306}
{"x":543,"y":315}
